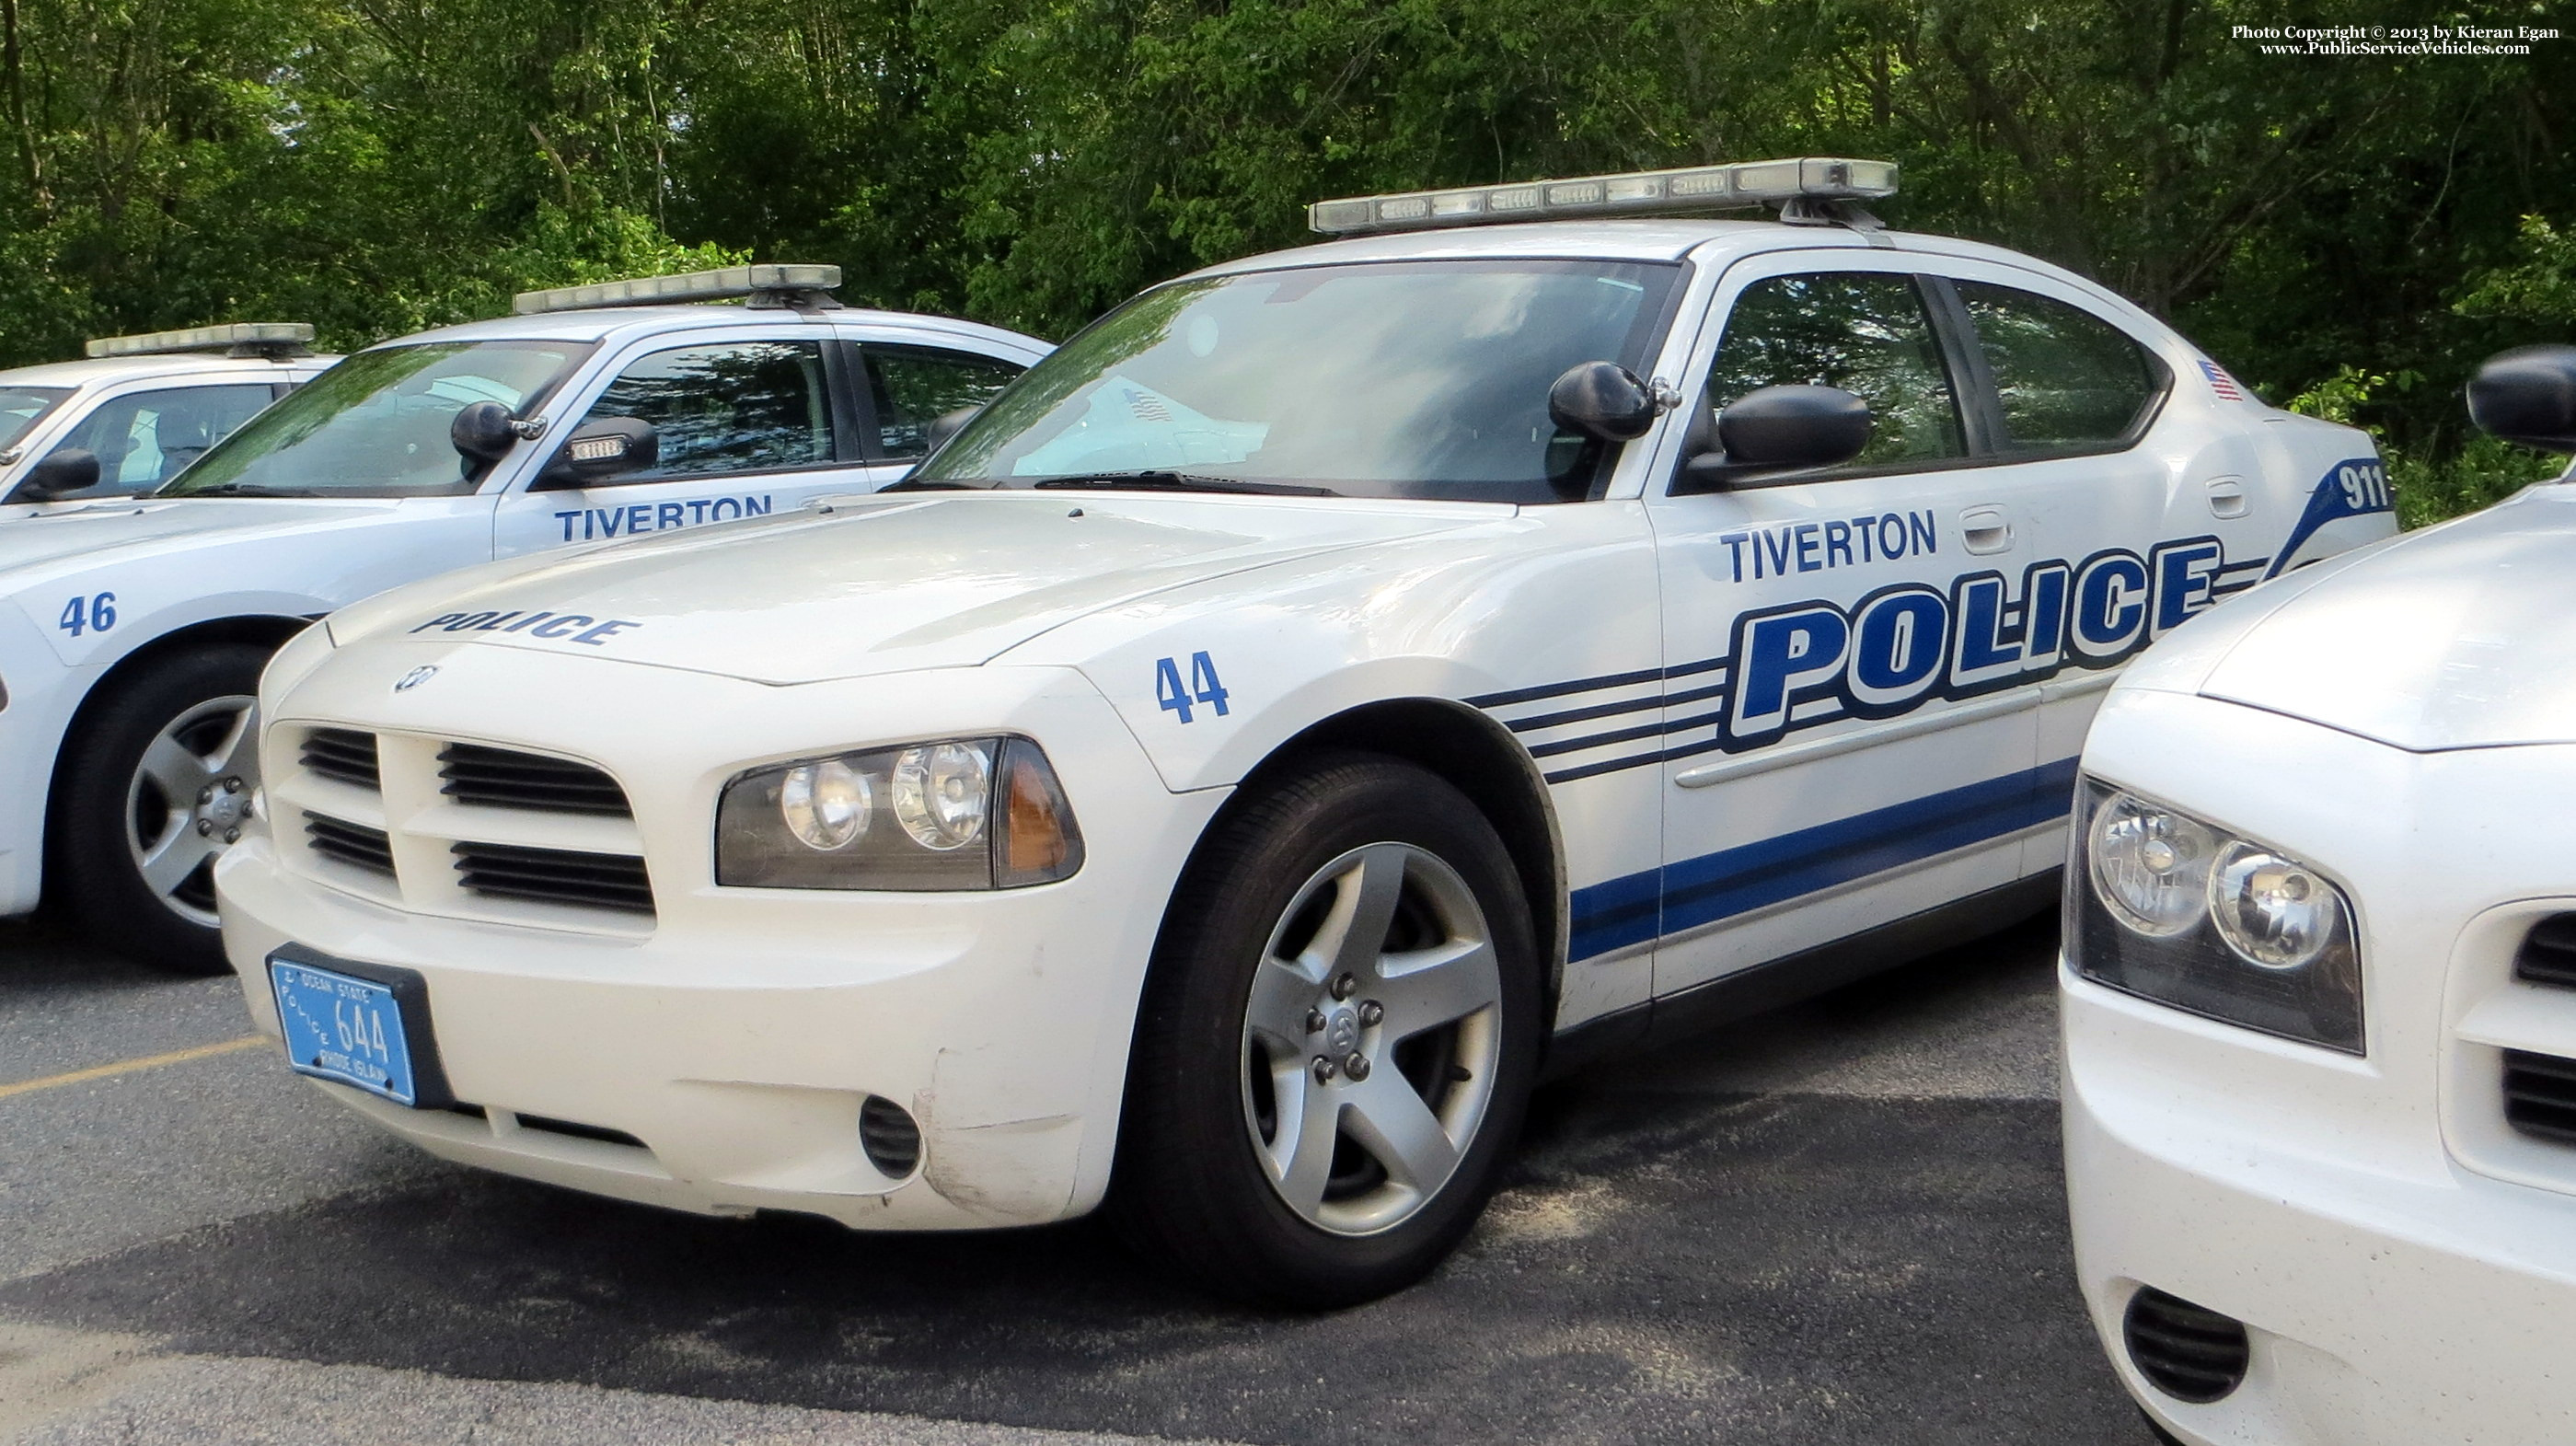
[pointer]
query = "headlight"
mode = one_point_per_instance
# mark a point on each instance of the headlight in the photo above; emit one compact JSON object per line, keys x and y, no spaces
{"x":2167,"y":907}
{"x":958,"y":813}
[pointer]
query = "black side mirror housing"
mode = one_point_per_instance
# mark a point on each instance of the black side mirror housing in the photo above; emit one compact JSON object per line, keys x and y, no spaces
{"x":482,"y":433}
{"x":599,"y":450}
{"x":2528,"y":395}
{"x":1602,"y":400}
{"x":948,"y":424}
{"x":1772,"y":435}
{"x":59,"y":474}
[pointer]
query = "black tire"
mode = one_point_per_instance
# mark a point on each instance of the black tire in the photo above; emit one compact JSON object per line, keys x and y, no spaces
{"x":1191,"y":1185}
{"x":100,"y":809}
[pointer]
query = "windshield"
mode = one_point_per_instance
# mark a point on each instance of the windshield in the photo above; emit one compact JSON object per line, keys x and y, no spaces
{"x":376,"y":424}
{"x":21,"y":406}
{"x":1398,"y":379}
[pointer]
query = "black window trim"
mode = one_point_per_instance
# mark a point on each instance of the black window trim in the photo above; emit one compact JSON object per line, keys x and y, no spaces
{"x":1972,"y":387}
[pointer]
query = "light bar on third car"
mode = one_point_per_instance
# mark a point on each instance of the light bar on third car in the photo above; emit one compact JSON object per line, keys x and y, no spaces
{"x":289,"y":337}
{"x":1691,"y":188}
{"x":764,"y":285}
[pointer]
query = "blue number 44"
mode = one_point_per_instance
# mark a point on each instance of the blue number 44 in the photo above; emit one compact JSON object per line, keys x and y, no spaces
{"x":1202,"y":687}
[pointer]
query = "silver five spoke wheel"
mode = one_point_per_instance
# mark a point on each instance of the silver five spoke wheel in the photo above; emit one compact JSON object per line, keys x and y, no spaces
{"x":190,"y":794}
{"x":1371,"y":1038}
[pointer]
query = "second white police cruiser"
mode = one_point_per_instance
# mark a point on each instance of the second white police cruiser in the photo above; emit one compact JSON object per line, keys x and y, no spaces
{"x":132,"y":633}
{"x":2319,"y":999}
{"x":1334,"y":684}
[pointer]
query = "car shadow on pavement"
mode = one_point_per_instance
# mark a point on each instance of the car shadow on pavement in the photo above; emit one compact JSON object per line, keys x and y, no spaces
{"x":1675,"y":1258}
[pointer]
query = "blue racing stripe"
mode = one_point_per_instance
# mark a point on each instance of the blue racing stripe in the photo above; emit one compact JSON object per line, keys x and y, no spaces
{"x":1685,"y":895}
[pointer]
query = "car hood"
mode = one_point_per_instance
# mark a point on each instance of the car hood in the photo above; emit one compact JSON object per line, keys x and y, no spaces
{"x":2460,"y":637}
{"x":85,"y":533}
{"x":878,"y":584}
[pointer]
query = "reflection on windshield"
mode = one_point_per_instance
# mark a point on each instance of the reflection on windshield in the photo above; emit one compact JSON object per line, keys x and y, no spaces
{"x":21,"y":406}
{"x":376,"y":424}
{"x":1404,"y":379}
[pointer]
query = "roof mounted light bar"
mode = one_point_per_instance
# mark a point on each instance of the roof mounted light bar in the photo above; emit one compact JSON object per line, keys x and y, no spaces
{"x":805,"y":288}
{"x":1813,"y":189}
{"x":242,"y":338}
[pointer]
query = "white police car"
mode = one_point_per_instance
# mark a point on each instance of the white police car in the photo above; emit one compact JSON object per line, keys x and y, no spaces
{"x":138,"y":409}
{"x":2320,"y":988}
{"x":132,"y":633}
{"x":1329,"y":685}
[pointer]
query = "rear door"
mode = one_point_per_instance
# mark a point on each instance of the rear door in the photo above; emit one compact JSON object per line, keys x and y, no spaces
{"x":2127,"y":536}
{"x":1845,"y":742}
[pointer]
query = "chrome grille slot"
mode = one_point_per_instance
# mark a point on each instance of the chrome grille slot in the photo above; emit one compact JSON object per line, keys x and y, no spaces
{"x":354,"y":844}
{"x":505,"y":778}
{"x":2548,"y":953}
{"x":2540,"y":1095}
{"x":343,"y":754}
{"x":555,"y":876}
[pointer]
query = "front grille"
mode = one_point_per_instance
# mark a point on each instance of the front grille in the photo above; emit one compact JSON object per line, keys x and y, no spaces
{"x":342,"y":753}
{"x":2548,"y":953}
{"x":2186,"y":1351}
{"x":555,"y":876}
{"x":354,"y":844}
{"x":2540,"y":1095}
{"x":503,"y":778}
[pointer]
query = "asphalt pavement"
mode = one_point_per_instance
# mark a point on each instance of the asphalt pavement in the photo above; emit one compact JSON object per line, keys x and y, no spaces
{"x":1839,"y":1223}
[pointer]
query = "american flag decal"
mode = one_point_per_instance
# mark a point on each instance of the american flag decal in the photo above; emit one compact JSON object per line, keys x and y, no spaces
{"x":2221,"y":383}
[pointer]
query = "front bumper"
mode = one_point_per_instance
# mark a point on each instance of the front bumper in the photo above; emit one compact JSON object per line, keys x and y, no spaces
{"x":739,"y":1034}
{"x":2384,"y":1308}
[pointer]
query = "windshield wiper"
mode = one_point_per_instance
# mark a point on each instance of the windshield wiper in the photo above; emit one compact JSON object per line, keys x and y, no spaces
{"x":1151,"y":481}
{"x":234,"y":489}
{"x":915,"y":484}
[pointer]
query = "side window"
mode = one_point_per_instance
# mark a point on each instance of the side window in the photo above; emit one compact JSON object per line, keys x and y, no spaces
{"x":2069,"y":380}
{"x":143,"y":438}
{"x":916,"y":386}
{"x":1864,"y":331}
{"x":747,"y":406}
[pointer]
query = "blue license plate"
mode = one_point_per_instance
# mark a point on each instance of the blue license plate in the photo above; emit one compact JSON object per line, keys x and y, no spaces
{"x":344,"y":1029}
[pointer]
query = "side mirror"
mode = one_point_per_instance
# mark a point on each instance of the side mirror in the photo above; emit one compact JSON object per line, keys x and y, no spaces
{"x":1787,"y":430}
{"x":948,"y":424}
{"x":2528,"y":395}
{"x":481,"y":433}
{"x":1602,"y":400}
{"x":59,"y":474}
{"x":599,"y":450}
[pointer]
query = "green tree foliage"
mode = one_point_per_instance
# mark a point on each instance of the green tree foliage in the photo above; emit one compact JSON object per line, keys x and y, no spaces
{"x":380,"y":165}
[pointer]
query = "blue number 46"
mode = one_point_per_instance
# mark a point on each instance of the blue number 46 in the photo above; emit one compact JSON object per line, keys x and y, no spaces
{"x":1203,"y":686}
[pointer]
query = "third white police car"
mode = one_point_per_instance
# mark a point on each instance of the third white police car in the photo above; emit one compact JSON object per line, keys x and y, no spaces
{"x":1325,"y":687}
{"x":132,"y":633}
{"x":137,"y":409}
{"x":2320,"y":995}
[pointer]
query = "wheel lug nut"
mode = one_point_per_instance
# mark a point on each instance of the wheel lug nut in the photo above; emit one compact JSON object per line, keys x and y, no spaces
{"x":1357,"y":1066}
{"x":205,"y":826}
{"x":1371,"y":1012}
{"x":232,"y":785}
{"x":233,"y":835}
{"x":1346,"y":986}
{"x":1323,"y":1070}
{"x":1315,"y":1021}
{"x":206,"y":794}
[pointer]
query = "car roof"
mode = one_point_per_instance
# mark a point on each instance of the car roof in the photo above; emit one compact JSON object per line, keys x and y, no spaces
{"x":1650,"y":239}
{"x":89,"y":371}
{"x":616,"y":323}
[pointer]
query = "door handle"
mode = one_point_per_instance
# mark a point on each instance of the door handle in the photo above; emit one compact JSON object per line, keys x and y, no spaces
{"x":1985,"y":529}
{"x":2227,"y":497}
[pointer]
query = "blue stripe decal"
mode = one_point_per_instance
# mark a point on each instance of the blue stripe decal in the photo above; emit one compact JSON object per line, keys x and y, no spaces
{"x":1685,"y":895}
